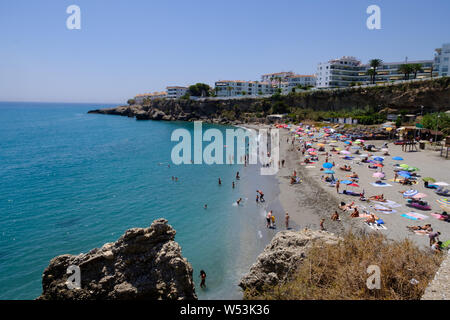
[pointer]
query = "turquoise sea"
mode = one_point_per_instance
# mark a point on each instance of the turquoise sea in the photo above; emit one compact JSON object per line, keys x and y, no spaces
{"x":71,"y":181}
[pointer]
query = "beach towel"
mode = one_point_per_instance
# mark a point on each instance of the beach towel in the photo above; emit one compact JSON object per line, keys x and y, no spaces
{"x":414,"y":216}
{"x":310,"y":167}
{"x":437,"y":216}
{"x":389,"y":203}
{"x":375,"y":226}
{"x":383,"y":209}
{"x":421,"y":232}
{"x":381,"y":184}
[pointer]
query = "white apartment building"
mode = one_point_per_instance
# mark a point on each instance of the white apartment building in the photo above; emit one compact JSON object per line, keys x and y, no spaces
{"x":344,"y":72}
{"x":176,"y":92}
{"x":442,"y":60}
{"x":274,"y":78}
{"x":230,"y":88}
{"x":139,"y":99}
{"x":339,"y":72}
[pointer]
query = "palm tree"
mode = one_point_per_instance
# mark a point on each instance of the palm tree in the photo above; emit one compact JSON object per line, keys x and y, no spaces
{"x":371,"y":73}
{"x":375,"y":63}
{"x":417,"y":67}
{"x":406,"y":69}
{"x":229,"y":90}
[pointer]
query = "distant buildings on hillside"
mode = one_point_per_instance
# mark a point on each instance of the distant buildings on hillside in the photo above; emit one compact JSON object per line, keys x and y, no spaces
{"x":336,"y":73}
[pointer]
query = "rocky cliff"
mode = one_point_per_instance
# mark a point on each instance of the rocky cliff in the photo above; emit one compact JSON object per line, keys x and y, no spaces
{"x":281,"y":258}
{"x":145,"y":263}
{"x":434,"y":95}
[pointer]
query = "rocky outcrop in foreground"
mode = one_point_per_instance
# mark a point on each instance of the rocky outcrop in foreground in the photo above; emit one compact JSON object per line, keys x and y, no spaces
{"x":145,"y":263}
{"x":281,"y":258}
{"x":439,"y":288}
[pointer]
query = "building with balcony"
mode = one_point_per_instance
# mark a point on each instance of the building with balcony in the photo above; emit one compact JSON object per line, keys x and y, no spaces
{"x":176,"y":92}
{"x":348,"y":71}
{"x":442,"y":60}
{"x":276,"y":78}
{"x":232,"y":88}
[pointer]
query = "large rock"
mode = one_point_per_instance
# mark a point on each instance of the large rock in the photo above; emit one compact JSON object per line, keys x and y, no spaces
{"x":145,"y":263}
{"x":281,"y":257}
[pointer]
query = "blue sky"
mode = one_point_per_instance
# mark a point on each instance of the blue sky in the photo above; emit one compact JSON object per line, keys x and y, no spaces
{"x":130,"y":47}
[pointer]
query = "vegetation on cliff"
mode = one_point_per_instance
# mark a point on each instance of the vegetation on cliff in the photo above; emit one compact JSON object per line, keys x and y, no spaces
{"x":339,"y":271}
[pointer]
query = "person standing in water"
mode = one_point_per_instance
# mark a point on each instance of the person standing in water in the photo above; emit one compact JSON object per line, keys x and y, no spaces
{"x":286,"y":220}
{"x":220,"y":182}
{"x":239,"y":201}
{"x":237,"y":176}
{"x":203,"y":279}
{"x":269,"y":218}
{"x":232,"y":184}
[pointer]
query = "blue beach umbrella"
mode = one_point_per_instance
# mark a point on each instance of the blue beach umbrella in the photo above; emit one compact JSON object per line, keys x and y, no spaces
{"x":329,"y":171}
{"x":378,"y":159}
{"x":397,"y":158}
{"x":327,"y":165}
{"x":410,"y":193}
{"x":346,"y":182}
{"x":404,"y":174}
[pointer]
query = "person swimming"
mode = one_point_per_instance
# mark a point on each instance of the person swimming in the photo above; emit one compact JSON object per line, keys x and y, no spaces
{"x":203,"y":279}
{"x":237,"y":176}
{"x":239,"y":201}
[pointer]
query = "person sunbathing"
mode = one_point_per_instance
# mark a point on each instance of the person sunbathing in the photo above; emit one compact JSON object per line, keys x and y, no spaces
{"x":335,"y":216}
{"x":426,"y":227}
{"x":405,"y":181}
{"x":346,"y":168}
{"x":355,"y":213}
{"x":346,"y":207}
{"x":371,"y":219}
{"x":354,"y":176}
{"x":379,"y":198}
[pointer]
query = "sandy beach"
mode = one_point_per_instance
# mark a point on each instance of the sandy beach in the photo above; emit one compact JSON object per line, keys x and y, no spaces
{"x":313,"y":199}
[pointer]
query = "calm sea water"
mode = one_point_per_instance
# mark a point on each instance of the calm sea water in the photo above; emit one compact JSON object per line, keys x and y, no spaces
{"x":71,"y":181}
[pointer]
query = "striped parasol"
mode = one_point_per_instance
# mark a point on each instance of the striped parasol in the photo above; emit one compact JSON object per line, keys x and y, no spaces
{"x":410,"y":193}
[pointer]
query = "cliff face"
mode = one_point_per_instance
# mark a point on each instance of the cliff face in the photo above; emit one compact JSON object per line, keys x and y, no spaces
{"x":145,"y":263}
{"x":434,"y":95}
{"x":281,"y":257}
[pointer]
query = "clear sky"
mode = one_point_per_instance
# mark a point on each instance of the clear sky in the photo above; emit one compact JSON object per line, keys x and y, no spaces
{"x":136,"y":46}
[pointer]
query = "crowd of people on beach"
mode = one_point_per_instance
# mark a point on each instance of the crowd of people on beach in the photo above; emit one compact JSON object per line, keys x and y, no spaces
{"x":312,"y":143}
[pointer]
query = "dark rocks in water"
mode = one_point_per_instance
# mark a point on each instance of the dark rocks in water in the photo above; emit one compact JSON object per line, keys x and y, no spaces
{"x":144,"y":263}
{"x":281,"y":258}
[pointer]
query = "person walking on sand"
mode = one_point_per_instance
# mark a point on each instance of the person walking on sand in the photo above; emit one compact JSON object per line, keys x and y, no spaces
{"x":273,"y":221}
{"x":321,"y":224}
{"x":203,"y":279}
{"x":269,"y":218}
{"x":286,"y":220}
{"x":338,"y":184}
{"x":395,"y":176}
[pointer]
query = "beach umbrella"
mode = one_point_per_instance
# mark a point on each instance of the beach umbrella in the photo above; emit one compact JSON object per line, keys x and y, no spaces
{"x":379,"y":165}
{"x":347,"y":142}
{"x":327,"y":165}
{"x":404,"y":166}
{"x":413,"y":169}
{"x":311,"y":150}
{"x":346,"y":182}
{"x":445,"y":203}
{"x":419,"y":196}
{"x":404,"y":174}
{"x":345,"y":152}
{"x":442,"y":184}
{"x":329,"y":172}
{"x":429,"y":179}
{"x":356,"y":147}
{"x":353,"y":185}
{"x":397,"y":158}
{"x":321,"y":145}
{"x":378,"y":159}
{"x":378,"y":175}
{"x":410,"y":193}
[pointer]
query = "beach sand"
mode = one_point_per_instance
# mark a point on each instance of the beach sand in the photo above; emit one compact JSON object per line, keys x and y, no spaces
{"x":313,"y":199}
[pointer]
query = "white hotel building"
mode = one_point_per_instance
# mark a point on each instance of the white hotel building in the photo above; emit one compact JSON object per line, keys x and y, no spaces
{"x":230,"y":88}
{"x":176,"y":92}
{"x":442,"y":60}
{"x":274,"y":78}
{"x":344,"y":72}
